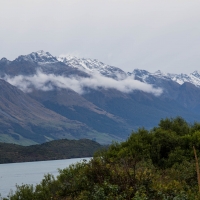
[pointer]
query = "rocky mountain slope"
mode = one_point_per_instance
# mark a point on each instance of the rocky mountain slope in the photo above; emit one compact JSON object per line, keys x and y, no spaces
{"x":25,"y":121}
{"x":70,"y":97}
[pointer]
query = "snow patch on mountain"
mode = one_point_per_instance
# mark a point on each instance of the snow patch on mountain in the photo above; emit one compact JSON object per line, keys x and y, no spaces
{"x":146,"y":76}
{"x":93,"y":66}
{"x":39,"y":57}
{"x":193,"y":78}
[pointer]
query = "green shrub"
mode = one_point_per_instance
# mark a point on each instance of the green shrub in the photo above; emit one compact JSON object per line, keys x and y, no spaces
{"x":156,"y":165}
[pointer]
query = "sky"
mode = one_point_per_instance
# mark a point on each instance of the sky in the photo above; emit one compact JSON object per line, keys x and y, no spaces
{"x":146,"y":34}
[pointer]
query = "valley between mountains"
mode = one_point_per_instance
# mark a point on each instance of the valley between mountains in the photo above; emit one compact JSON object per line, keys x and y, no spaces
{"x":45,"y":98}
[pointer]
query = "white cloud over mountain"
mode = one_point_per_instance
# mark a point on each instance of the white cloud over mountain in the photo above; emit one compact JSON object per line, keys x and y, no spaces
{"x":46,"y":82}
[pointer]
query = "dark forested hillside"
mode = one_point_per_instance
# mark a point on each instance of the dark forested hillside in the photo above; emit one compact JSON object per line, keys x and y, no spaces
{"x":54,"y":150}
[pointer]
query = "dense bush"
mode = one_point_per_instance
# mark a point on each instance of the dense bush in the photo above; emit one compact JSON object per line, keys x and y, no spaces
{"x":158,"y":165}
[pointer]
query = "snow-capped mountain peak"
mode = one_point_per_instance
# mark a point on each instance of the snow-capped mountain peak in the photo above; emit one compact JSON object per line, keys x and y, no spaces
{"x":40,"y":57}
{"x":159,"y":73}
{"x":150,"y":78}
{"x":196,"y":74}
{"x":65,"y":58}
{"x":140,"y":72}
{"x":181,"y":78}
{"x":92,"y":66}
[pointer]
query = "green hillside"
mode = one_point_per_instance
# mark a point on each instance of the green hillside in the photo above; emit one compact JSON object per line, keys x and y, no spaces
{"x":54,"y":150}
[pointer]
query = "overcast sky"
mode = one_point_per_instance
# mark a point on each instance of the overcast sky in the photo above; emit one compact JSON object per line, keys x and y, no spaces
{"x":144,"y":34}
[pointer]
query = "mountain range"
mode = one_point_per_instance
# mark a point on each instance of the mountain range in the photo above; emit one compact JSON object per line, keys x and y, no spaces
{"x":43,"y":98}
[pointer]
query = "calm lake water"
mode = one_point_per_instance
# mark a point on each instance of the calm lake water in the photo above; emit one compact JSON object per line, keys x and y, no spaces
{"x":30,"y":172}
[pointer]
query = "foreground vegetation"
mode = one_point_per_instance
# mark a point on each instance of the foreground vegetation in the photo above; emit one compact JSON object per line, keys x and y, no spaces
{"x":157,"y":165}
{"x":54,"y":150}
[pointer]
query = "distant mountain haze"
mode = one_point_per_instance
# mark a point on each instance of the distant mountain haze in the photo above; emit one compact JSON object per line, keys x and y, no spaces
{"x":43,"y":98}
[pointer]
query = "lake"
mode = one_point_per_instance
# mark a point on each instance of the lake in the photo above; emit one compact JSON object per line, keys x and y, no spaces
{"x":30,"y":172}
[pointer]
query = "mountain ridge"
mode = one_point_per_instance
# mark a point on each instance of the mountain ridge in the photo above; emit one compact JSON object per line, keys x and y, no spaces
{"x":101,"y":102}
{"x":144,"y":75}
{"x":93,"y":65}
